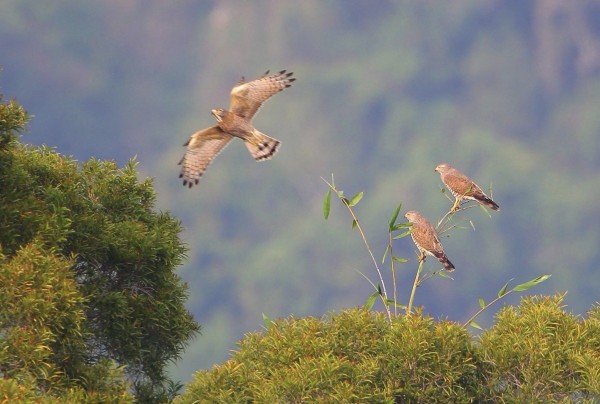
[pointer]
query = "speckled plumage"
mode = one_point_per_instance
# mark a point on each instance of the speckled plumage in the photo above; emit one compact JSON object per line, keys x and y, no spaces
{"x":245,"y":101}
{"x":462,"y":187}
{"x":426,"y":239}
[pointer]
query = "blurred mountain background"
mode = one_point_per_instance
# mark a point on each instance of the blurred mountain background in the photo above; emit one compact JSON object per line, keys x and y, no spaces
{"x":506,"y":91}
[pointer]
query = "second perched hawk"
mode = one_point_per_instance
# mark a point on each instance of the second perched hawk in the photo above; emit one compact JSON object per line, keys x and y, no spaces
{"x":462,"y":187}
{"x":426,"y":239}
{"x":246,"y":99}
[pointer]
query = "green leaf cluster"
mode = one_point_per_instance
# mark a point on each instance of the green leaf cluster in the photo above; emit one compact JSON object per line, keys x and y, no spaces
{"x":87,"y":275}
{"x":535,"y":352}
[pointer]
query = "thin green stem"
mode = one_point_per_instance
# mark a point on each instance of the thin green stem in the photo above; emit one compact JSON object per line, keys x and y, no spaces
{"x":446,"y":218}
{"x":362,"y":234}
{"x":414,"y":288}
{"x":439,"y":225}
{"x":393,"y":268}
{"x":474,"y":316}
{"x":383,"y":300}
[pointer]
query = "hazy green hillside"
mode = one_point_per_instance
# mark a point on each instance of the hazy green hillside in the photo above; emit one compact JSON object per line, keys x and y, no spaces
{"x":506,"y":91}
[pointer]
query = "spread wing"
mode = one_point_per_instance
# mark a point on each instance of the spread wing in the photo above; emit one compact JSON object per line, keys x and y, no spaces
{"x":247,"y":98}
{"x":202,"y":147}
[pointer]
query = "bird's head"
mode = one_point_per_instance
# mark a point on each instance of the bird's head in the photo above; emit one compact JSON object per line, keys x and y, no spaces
{"x":218,"y":113}
{"x":443,"y":167}
{"x":411,"y":215}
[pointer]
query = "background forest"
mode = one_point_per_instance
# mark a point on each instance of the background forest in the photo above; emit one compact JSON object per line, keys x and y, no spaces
{"x":506,"y":91}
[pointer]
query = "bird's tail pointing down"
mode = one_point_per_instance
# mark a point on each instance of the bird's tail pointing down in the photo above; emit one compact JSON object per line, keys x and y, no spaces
{"x":448,"y":266}
{"x":261,"y":146}
{"x":489,"y":203}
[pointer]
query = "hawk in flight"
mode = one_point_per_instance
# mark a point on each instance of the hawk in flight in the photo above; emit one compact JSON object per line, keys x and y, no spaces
{"x":462,"y":187}
{"x":426,"y":239}
{"x":246,"y":99}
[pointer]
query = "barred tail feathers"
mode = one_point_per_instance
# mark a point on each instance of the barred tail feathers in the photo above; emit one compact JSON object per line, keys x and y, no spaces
{"x":261,"y":146}
{"x":448,"y":266}
{"x":489,"y":203}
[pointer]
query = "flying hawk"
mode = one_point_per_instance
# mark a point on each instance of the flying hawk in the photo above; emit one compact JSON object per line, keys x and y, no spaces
{"x":246,"y":99}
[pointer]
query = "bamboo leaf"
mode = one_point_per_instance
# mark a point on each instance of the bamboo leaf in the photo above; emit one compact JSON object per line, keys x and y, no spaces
{"x":327,"y":204}
{"x":394,"y":217}
{"x":371,"y":300}
{"x":399,"y":259}
{"x":481,"y":303}
{"x":403,"y":234}
{"x":484,"y":210}
{"x":502,"y":291}
{"x":475,"y":325}
{"x":354,"y":224}
{"x":399,"y":226}
{"x":528,"y":285}
{"x":394,"y":303}
{"x":387,"y":249}
{"x":355,"y":199}
{"x":268,"y":322}
{"x":444,"y":274}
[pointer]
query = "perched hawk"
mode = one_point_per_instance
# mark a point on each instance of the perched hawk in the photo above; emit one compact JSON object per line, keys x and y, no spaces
{"x":426,"y":239}
{"x":246,"y":99}
{"x":462,"y":187}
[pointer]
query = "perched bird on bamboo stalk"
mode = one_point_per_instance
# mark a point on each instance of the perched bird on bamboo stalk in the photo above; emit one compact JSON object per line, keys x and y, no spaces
{"x":462,"y":187}
{"x":426,"y":239}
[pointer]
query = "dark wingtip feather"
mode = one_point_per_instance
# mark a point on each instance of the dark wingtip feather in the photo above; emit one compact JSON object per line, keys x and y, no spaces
{"x":289,"y":82}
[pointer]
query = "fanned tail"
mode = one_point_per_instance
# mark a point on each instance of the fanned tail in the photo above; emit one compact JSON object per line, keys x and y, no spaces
{"x":261,"y":146}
